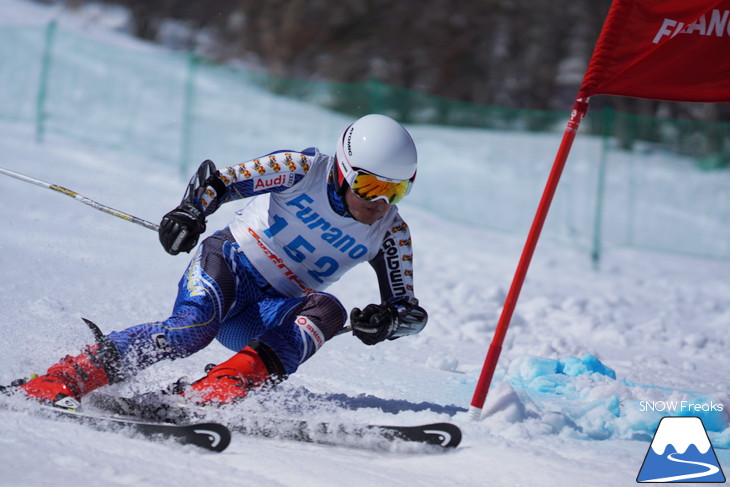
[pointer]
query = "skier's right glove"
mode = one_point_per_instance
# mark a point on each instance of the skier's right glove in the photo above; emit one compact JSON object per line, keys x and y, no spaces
{"x":181,"y":228}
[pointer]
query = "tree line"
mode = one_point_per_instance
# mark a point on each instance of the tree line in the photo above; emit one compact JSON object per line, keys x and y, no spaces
{"x":513,"y":53}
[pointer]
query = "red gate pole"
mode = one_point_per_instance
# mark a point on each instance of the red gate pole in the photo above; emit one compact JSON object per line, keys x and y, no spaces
{"x":580,"y":108}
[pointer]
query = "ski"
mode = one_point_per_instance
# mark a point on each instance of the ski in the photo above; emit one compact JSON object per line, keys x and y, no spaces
{"x":154,"y":407}
{"x":444,"y":435}
{"x":208,"y":435}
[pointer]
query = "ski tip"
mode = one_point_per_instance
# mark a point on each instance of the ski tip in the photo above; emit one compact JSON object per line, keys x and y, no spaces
{"x":212,"y":436}
{"x":447,"y":435}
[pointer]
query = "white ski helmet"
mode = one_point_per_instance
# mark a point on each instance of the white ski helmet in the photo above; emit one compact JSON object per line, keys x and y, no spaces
{"x":379,"y":146}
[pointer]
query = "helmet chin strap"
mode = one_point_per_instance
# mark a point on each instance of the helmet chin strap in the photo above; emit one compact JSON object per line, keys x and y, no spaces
{"x":341,"y":186}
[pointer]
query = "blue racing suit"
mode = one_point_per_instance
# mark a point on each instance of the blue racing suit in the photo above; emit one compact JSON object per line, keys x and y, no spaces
{"x":262,"y":278}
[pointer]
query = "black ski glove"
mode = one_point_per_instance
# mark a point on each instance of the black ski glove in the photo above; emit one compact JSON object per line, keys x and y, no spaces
{"x":180,"y":228}
{"x":375,"y":323}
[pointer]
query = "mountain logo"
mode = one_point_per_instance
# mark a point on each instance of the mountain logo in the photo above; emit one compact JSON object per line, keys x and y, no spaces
{"x":681,"y":452}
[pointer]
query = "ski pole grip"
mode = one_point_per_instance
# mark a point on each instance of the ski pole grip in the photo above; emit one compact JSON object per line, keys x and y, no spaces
{"x":179,"y":240}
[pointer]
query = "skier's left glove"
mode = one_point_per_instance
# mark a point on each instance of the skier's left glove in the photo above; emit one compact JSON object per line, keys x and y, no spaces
{"x":375,"y":323}
{"x":180,"y":228}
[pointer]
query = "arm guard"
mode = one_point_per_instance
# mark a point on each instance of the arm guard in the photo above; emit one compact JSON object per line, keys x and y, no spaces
{"x":411,"y":319}
{"x":205,"y":189}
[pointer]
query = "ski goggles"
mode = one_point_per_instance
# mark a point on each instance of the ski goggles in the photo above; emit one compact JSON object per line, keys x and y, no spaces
{"x":370,"y":187}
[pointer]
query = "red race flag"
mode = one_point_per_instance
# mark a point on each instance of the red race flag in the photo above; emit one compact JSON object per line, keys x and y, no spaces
{"x":677,"y":50}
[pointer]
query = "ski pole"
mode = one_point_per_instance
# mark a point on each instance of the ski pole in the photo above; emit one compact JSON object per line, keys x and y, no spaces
{"x":346,"y":329}
{"x":83,"y":199}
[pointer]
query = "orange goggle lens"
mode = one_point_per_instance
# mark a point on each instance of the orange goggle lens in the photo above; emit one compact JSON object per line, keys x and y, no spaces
{"x":369,"y":187}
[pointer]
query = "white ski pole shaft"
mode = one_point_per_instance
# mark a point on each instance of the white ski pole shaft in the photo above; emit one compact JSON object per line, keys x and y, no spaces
{"x":83,"y":199}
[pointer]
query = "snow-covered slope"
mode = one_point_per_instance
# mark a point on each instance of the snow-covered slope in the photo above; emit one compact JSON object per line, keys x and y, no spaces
{"x":658,"y":325}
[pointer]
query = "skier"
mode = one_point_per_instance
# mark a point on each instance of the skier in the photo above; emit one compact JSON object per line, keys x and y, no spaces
{"x":257,"y":285}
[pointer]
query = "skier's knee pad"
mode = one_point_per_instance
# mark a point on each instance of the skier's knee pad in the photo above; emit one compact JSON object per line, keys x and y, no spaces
{"x":325,"y":312}
{"x":316,"y":319}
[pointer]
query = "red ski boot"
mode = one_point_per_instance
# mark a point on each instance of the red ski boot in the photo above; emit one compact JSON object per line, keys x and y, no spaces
{"x":230,"y":381}
{"x":66,"y":382}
